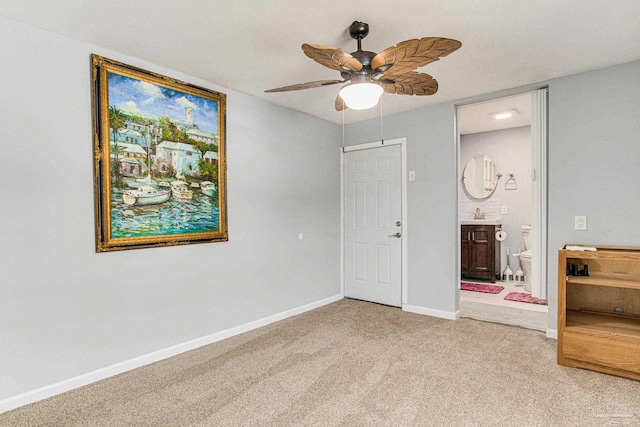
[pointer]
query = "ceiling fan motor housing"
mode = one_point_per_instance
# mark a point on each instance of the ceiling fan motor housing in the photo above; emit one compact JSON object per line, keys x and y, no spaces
{"x":365,"y":57}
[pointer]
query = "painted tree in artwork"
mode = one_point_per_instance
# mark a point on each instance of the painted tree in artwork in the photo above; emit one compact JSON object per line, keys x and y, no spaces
{"x":208,"y":171}
{"x":116,"y":122}
{"x":170,"y":131}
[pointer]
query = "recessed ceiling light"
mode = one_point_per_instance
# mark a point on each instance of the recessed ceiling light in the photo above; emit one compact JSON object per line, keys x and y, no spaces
{"x":505,"y":114}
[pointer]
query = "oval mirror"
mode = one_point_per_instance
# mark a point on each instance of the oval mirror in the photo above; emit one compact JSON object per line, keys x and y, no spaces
{"x":479,"y":178}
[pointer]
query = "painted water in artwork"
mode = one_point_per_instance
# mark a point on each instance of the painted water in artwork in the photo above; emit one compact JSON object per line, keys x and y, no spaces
{"x":163,"y":160}
{"x":200,"y":214}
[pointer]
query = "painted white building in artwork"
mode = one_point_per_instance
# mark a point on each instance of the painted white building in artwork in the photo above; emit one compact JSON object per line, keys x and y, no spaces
{"x":211,"y":157}
{"x":200,"y":135}
{"x":183,"y":158}
{"x":130,"y":136}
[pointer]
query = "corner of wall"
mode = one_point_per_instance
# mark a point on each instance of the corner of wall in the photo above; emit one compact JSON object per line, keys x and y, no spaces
{"x":449,"y":315}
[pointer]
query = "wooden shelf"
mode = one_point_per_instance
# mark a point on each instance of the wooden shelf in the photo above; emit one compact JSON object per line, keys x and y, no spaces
{"x":599,"y":314}
{"x":616,"y":280}
{"x":606,"y":252}
{"x":603,"y":323}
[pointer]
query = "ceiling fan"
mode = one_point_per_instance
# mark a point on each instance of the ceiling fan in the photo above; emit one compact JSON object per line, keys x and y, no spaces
{"x":370,"y":74}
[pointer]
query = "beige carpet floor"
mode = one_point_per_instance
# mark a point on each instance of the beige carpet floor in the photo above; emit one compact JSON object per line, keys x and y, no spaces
{"x":353,"y":363}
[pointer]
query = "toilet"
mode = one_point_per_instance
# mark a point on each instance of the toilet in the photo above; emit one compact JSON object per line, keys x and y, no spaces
{"x":525,"y":256}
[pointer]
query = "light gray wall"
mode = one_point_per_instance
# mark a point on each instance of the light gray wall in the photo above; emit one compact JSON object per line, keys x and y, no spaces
{"x":432,"y":199}
{"x":65,"y":310}
{"x":594,"y":152}
{"x":510,"y":149}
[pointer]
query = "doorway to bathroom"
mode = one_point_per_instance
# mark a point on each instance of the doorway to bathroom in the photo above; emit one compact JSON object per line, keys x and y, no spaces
{"x":502,"y":194}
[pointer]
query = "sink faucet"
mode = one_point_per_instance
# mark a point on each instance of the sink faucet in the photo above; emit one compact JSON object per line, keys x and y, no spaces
{"x":479,"y":215}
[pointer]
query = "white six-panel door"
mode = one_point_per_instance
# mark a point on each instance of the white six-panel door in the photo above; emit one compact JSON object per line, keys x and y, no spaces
{"x":373,"y":224}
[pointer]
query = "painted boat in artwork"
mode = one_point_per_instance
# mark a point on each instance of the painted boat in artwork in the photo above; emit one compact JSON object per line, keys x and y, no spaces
{"x":146,"y":196}
{"x":142,"y":182}
{"x":181,"y":191}
{"x":208,"y":188}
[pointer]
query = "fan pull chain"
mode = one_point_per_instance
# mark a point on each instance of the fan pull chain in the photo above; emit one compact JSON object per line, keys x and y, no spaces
{"x":343,"y":130}
{"x":381,"y":133}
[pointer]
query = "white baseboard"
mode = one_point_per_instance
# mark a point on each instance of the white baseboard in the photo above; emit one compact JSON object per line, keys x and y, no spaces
{"x":552,"y":333}
{"x":127,"y":365}
{"x":449,"y":315}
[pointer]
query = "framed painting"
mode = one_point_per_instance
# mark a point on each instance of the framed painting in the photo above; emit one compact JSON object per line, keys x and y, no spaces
{"x":159,"y":159}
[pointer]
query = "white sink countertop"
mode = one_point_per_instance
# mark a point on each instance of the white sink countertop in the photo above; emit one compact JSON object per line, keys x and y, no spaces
{"x":488,"y":221}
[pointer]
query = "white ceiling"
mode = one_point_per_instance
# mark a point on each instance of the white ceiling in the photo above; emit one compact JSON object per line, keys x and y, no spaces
{"x":480,"y":117}
{"x":254,"y":45}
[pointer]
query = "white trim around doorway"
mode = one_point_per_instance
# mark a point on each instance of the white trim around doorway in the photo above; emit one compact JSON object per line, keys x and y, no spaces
{"x":539,"y":182}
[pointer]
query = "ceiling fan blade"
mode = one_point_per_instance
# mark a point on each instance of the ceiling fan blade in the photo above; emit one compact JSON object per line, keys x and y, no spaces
{"x":412,"y":83}
{"x":408,"y":55}
{"x":331,"y":57}
{"x":307,"y":85}
{"x":340,"y":104}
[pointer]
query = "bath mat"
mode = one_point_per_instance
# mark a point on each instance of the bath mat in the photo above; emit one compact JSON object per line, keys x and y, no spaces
{"x":480,"y":287}
{"x":524,"y":297}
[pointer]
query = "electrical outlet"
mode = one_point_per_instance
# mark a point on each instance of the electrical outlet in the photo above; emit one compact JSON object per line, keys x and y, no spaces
{"x":580,"y":222}
{"x":504,"y":209}
{"x":412,"y":175}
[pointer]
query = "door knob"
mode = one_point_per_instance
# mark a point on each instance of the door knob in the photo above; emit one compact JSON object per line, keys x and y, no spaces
{"x":395,"y":235}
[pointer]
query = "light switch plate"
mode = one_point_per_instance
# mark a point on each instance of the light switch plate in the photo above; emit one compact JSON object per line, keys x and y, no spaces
{"x":580,"y":222}
{"x":504,"y":209}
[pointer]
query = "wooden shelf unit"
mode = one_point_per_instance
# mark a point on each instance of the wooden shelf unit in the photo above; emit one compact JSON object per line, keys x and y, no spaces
{"x":599,"y":314}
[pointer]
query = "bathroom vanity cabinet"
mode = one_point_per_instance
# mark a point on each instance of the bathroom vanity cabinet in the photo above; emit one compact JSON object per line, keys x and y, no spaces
{"x":599,"y":314}
{"x":480,"y":257}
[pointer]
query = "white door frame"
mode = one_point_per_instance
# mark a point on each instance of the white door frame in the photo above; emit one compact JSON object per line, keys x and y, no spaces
{"x":539,"y":173}
{"x":539,"y":177}
{"x":405,"y":229}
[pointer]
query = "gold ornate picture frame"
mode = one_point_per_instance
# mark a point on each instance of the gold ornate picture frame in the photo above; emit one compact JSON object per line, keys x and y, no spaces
{"x":159,"y":159}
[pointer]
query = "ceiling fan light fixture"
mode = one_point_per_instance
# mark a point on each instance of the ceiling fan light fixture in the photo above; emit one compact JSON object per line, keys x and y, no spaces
{"x":361,"y":95}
